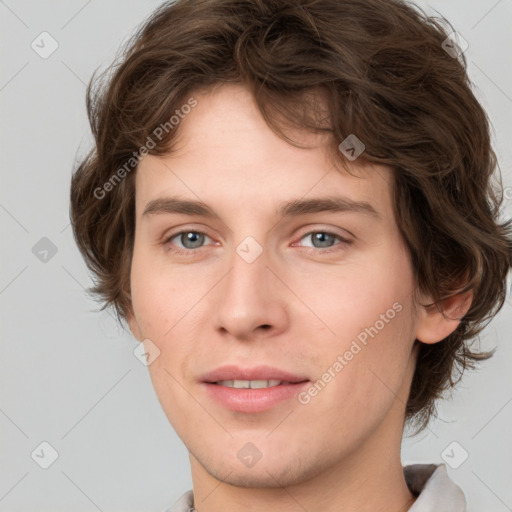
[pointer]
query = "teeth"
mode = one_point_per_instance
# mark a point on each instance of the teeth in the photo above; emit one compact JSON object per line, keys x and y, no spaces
{"x":252,"y":384}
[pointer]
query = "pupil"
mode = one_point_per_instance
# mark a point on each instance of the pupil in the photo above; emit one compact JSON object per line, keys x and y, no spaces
{"x":194,"y":238}
{"x":322,"y":238}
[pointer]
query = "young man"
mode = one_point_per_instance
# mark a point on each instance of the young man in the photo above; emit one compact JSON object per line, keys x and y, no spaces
{"x":290,"y":204}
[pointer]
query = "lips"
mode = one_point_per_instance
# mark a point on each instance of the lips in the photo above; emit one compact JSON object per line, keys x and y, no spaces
{"x":257,"y":373}
{"x":252,"y":390}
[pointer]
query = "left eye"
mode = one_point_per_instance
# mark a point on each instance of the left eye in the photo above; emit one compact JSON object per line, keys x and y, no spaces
{"x":323,"y":239}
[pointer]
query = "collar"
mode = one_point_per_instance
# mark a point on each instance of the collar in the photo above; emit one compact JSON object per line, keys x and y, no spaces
{"x":434,"y":489}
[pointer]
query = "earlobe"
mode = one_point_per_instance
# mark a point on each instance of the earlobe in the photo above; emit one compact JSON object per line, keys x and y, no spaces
{"x":436,"y":322}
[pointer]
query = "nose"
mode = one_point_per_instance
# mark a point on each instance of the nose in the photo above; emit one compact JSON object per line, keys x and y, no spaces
{"x":251,"y":300}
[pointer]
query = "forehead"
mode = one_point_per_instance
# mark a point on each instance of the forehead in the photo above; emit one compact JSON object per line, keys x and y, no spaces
{"x":226,"y":153}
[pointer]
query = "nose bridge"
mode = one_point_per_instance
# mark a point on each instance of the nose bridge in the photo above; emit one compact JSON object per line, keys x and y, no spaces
{"x":249,"y":269}
{"x":247,"y":279}
{"x":249,"y":297}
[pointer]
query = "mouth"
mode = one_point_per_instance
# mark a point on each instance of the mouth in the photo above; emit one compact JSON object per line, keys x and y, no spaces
{"x":252,"y":390}
{"x":264,"y":376}
{"x":252,"y":384}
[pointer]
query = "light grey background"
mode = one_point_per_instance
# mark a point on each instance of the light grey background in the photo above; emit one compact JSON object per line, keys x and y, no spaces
{"x":68,"y":374}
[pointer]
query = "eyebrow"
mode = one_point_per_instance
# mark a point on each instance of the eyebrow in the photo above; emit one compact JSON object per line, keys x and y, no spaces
{"x":294,"y":208}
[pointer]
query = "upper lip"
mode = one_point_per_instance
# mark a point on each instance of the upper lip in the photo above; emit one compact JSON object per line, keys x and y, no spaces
{"x":232,"y":372}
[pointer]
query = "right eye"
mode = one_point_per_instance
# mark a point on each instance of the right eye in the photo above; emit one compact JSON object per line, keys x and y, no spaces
{"x":191,"y":241}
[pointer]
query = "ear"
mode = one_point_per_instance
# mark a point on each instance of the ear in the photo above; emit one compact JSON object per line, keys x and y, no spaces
{"x":134,"y":326}
{"x":436,"y":322}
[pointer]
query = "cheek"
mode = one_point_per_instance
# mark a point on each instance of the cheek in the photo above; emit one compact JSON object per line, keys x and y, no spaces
{"x":359,"y":383}
{"x":348,"y":300}
{"x":368,"y":334}
{"x":169,"y":311}
{"x":161,"y":295}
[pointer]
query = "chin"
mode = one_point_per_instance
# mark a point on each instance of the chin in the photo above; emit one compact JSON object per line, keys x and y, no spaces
{"x":281,"y":470}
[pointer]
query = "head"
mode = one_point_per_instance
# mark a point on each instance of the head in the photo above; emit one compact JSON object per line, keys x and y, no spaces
{"x":241,"y":107}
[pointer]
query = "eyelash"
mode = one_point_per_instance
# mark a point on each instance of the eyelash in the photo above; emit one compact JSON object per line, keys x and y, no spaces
{"x":192,"y":252}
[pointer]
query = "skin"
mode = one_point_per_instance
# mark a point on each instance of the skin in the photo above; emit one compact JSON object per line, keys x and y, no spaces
{"x":296,"y":307}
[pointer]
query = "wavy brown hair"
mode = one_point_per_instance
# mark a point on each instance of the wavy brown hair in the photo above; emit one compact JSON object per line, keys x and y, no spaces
{"x":382,"y":73}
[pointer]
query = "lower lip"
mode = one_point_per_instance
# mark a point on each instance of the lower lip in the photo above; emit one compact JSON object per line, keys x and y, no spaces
{"x":253,"y":400}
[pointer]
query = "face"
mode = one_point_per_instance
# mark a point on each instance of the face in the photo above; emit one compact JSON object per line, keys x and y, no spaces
{"x":309,"y":300}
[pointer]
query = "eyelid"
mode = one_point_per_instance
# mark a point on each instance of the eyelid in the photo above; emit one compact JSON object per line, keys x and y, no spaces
{"x":171,"y":233}
{"x":329,"y":230}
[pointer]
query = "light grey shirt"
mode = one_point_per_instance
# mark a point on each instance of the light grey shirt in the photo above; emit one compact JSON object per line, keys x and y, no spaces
{"x":434,"y":489}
